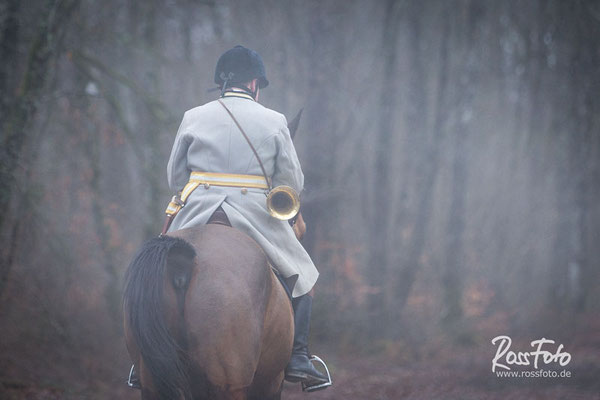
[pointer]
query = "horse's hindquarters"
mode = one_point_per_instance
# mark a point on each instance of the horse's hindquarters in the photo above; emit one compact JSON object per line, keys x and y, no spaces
{"x":238,"y":318}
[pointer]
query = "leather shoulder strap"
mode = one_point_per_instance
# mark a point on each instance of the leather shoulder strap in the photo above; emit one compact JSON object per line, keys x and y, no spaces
{"x":249,"y":143}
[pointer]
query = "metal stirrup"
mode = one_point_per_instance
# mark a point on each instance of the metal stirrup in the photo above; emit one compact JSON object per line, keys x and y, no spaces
{"x":133,"y":382}
{"x":307,"y":387}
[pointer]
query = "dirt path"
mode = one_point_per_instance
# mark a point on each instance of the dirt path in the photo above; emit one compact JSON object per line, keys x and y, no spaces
{"x":460,"y":379}
{"x":467,"y":376}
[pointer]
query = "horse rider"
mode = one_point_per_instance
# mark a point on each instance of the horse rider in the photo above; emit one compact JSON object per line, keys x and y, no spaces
{"x":224,"y":155}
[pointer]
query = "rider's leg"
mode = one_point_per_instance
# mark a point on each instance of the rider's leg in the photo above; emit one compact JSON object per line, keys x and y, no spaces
{"x":300,"y":368}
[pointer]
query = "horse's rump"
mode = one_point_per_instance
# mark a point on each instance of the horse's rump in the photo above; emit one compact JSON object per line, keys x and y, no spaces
{"x":220,"y":305}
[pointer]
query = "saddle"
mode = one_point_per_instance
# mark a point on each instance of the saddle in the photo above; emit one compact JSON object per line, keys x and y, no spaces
{"x":219,"y":218}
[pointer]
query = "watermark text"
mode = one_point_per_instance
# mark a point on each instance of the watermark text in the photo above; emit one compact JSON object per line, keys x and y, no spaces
{"x":544,"y":352}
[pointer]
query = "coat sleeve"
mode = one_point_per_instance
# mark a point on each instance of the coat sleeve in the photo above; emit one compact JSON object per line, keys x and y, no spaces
{"x":287,"y":166}
{"x":178,"y":173}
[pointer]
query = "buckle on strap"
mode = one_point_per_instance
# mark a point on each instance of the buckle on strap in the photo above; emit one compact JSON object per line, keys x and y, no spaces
{"x":177,"y":201}
{"x":175,"y":205}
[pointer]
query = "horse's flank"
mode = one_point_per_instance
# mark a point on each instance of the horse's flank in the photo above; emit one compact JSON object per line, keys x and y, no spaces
{"x":230,"y":318}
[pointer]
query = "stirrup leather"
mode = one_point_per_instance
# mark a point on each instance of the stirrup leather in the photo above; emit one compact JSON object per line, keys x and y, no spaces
{"x":308,"y":387}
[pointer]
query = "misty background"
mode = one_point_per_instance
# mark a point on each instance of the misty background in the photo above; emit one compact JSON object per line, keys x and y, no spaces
{"x":452,"y":159}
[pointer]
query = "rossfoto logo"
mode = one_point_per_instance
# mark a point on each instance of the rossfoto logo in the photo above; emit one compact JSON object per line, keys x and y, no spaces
{"x":544,"y":353}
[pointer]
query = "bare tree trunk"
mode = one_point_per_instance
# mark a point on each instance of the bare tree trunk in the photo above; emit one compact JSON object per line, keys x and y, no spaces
{"x":454,"y":259}
{"x":569,"y":287}
{"x":20,"y":104}
{"x":427,"y":165}
{"x":378,"y":310}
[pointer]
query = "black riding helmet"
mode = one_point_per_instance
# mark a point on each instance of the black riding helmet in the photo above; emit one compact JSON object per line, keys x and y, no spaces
{"x":240,"y":65}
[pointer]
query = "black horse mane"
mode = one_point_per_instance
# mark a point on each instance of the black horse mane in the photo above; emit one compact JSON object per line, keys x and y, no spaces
{"x":143,"y":303}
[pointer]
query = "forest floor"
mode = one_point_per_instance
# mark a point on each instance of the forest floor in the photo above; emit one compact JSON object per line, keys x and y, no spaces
{"x":377,"y":379}
{"x":464,"y":376}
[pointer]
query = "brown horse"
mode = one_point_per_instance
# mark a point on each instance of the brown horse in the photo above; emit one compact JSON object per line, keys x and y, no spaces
{"x":206,"y":318}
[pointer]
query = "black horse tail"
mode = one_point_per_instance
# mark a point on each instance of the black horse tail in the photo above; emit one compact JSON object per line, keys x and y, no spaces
{"x":163,"y":353}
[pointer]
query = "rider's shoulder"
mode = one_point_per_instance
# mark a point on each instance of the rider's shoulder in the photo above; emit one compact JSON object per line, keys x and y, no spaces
{"x":200,"y":110}
{"x":273,"y":116}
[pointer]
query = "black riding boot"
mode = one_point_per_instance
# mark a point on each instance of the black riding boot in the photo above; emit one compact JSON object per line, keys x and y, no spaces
{"x":300,"y":368}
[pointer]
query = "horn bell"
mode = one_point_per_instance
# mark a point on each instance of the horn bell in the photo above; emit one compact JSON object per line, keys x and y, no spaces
{"x":283,"y":202}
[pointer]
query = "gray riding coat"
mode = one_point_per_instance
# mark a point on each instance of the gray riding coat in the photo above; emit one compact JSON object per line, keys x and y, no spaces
{"x":209,"y":141}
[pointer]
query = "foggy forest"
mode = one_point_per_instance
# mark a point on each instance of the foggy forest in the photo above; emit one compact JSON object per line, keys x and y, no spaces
{"x":451,"y":152}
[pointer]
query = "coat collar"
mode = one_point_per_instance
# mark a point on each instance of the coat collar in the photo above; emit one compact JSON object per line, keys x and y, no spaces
{"x":238,"y":94}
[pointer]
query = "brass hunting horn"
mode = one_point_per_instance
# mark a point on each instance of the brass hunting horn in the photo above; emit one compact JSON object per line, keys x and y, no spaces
{"x":283,"y":202}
